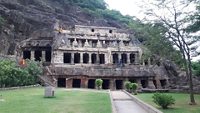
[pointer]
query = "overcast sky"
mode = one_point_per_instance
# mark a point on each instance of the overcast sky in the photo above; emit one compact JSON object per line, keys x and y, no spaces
{"x":130,"y":7}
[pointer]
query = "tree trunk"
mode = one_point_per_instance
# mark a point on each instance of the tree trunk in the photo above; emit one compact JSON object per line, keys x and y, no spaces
{"x":192,"y":100}
{"x":188,"y":67}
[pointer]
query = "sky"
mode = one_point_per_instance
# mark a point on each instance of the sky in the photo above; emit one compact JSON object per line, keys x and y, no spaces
{"x":126,"y":7}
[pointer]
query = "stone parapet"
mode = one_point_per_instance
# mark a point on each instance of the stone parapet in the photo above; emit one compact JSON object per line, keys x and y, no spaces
{"x":103,"y":71}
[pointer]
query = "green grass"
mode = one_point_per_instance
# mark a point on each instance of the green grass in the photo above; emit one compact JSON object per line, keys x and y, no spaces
{"x":181,"y":104}
{"x":32,"y":101}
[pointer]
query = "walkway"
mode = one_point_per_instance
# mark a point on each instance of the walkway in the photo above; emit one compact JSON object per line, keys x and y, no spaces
{"x":124,"y":103}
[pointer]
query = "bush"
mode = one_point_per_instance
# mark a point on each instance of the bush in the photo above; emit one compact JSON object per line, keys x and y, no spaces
{"x":12,"y":75}
{"x":133,"y":87}
{"x":163,"y":100}
{"x":127,"y":85}
{"x":99,"y":83}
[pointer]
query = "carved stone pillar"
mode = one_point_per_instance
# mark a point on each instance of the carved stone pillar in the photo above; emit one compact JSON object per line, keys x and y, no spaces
{"x":120,"y":57}
{"x":143,"y":63}
{"x":151,"y":84}
{"x":139,"y":83}
{"x":111,"y":58}
{"x":149,"y":61}
{"x":167,"y":83}
{"x":72,"y":58}
{"x":32,"y":55}
{"x":43,"y":56}
{"x":98,"y":59}
{"x":128,"y":58}
{"x":158,"y":84}
{"x":69,"y":83}
{"x":90,"y":58}
{"x":84,"y":82}
{"x":112,"y":84}
{"x":81,"y":58}
{"x":137,"y":60}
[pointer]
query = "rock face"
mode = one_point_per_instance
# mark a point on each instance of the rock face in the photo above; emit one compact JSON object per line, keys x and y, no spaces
{"x":26,"y":18}
{"x":178,"y":79}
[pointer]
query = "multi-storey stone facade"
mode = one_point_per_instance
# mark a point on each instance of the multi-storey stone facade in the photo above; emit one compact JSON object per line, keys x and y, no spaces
{"x":78,"y":56}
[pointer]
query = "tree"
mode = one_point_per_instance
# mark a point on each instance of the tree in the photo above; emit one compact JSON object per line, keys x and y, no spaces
{"x":194,"y":27}
{"x":174,"y":19}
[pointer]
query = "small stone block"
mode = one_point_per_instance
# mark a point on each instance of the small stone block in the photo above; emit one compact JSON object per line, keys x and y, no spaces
{"x":49,"y":91}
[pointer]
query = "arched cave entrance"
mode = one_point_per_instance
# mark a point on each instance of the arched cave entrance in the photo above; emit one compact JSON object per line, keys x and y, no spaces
{"x":106,"y":84}
{"x":163,"y":83}
{"x":76,"y":83}
{"x":67,"y":58}
{"x":91,"y":83}
{"x":26,"y":54}
{"x":85,"y":58}
{"x":94,"y":58}
{"x":119,"y":84}
{"x":115,"y":58}
{"x":38,"y":55}
{"x":48,"y":55}
{"x":132,"y":58}
{"x":144,"y":83}
{"x":77,"y":58}
{"x":124,"y":58}
{"x":102,"y":58}
{"x":61,"y":82}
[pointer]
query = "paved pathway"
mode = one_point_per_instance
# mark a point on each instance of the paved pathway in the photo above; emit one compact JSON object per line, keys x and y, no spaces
{"x":124,"y":103}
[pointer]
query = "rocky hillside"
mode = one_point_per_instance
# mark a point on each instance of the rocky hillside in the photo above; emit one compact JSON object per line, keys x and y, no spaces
{"x":19,"y":19}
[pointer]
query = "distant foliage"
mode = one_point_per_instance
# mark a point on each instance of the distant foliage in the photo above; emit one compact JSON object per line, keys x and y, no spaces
{"x":196,"y":68}
{"x":2,"y":21}
{"x":12,"y":75}
{"x":99,"y":83}
{"x":163,"y":100}
{"x":90,"y":4}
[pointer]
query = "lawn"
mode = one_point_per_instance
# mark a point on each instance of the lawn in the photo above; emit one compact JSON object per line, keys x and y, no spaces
{"x":181,"y":104}
{"x":32,"y":101}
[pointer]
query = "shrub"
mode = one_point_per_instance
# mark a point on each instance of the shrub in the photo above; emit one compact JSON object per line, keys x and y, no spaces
{"x":12,"y":75}
{"x":99,"y":83}
{"x":163,"y":100}
{"x":133,"y":87}
{"x":127,"y":85}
